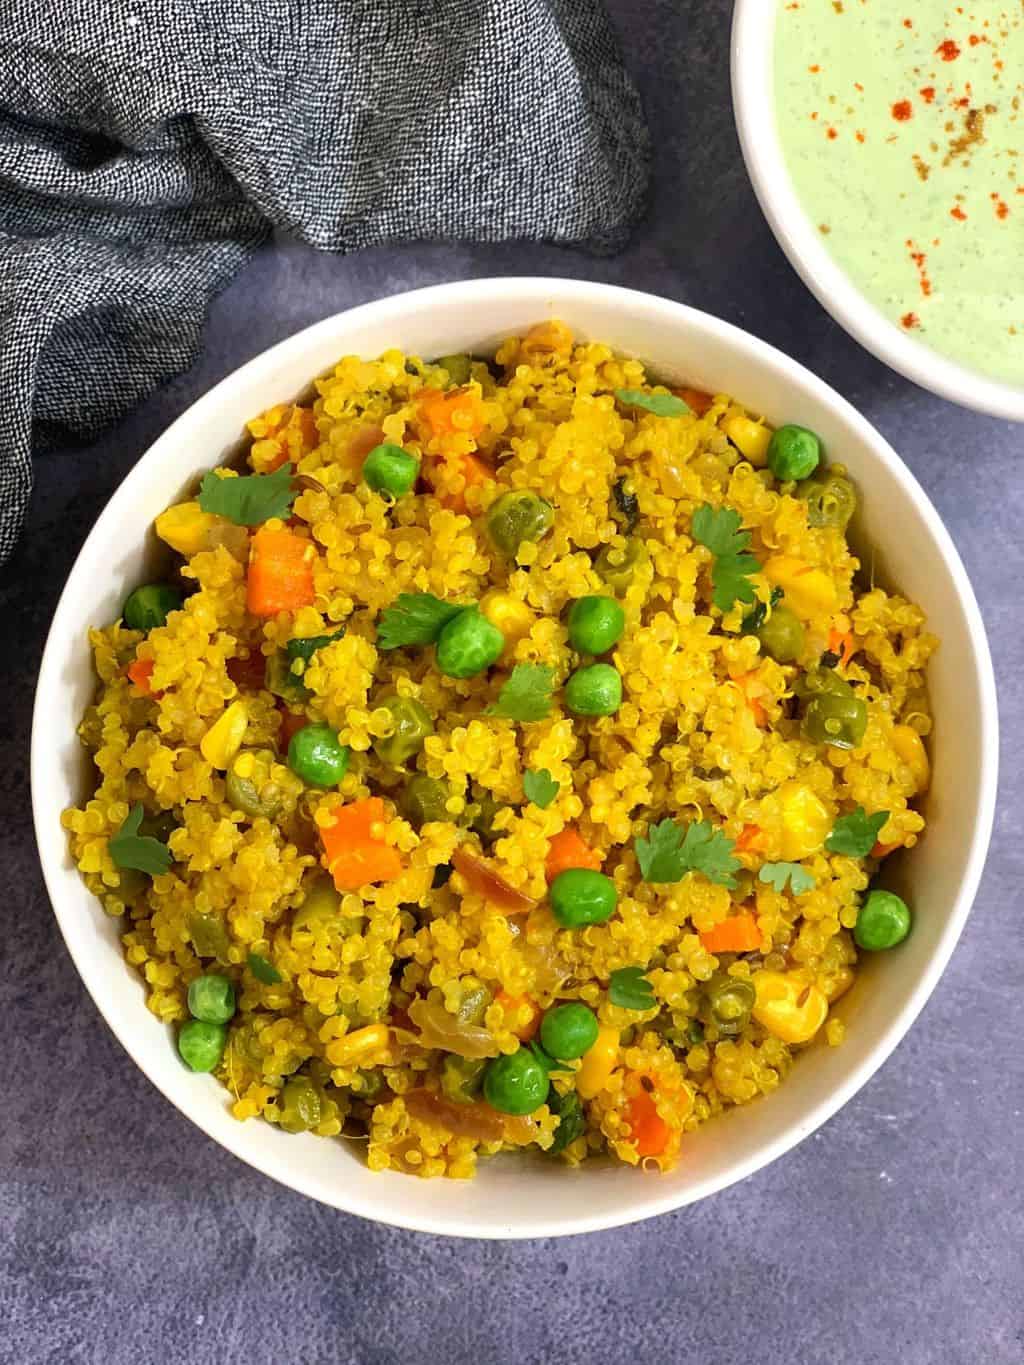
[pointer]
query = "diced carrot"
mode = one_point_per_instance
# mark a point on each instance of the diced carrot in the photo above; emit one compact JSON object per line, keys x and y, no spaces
{"x":841,"y":643}
{"x":289,"y":427}
{"x":291,"y":723}
{"x":473,"y":471}
{"x":512,"y":1004}
{"x":567,"y":849}
{"x":649,"y":1131}
{"x":280,"y":572}
{"x":749,"y":838}
{"x":699,"y":401}
{"x":458,"y":410}
{"x":355,"y":856}
{"x":141,"y":671}
{"x":883,"y":850}
{"x":486,"y":881}
{"x":753,"y":690}
{"x":738,"y":934}
{"x":249,"y":673}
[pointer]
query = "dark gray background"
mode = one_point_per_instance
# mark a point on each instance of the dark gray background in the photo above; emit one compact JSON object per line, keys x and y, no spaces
{"x":895,"y":1233}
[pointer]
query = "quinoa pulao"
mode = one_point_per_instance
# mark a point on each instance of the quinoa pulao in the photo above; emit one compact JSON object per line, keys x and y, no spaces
{"x":505,"y":760}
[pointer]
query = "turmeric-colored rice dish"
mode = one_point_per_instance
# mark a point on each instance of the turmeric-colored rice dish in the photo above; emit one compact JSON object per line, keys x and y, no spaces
{"x":506,"y":760}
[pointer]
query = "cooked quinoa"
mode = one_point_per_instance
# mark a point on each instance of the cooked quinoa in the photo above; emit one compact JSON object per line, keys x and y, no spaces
{"x":447,"y":891}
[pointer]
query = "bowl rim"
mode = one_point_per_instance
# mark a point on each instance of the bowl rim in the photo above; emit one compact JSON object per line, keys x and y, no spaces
{"x":65,"y":624}
{"x":753,"y":30}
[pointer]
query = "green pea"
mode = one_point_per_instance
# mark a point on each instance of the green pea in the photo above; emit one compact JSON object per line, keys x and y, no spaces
{"x":279,"y":679}
{"x":831,"y":500}
{"x":834,"y":714}
{"x":569,"y":1030}
{"x":368,"y":1084}
{"x":882,"y":921}
{"x":595,"y":624}
{"x":516,"y":1084}
{"x":390,"y":471}
{"x":462,"y":1077}
{"x":300,"y":1105}
{"x":516,"y":517}
{"x":793,"y":453}
{"x":317,"y":756}
{"x":459,"y":368}
{"x":150,"y":606}
{"x":201,"y":1044}
{"x":618,"y":565}
{"x":411,"y":723}
{"x":730,"y":1000}
{"x":425,"y":799}
{"x":211,"y":998}
{"x":582,"y":896}
{"x":468,"y":644}
{"x":782,"y":635}
{"x":209,"y":935}
{"x":595,"y":690}
{"x":255,"y":793}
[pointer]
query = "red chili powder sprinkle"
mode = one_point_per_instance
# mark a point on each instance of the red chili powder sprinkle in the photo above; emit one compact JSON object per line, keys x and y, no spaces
{"x":958,"y":213}
{"x":908,"y":23}
{"x":1002,"y":208}
{"x":921,"y":261}
{"x":814,"y":69}
{"x":857,"y":86}
{"x":860,"y":137}
{"x":948,"y":50}
{"x":928,"y":94}
{"x":910,"y":320}
{"x":975,"y":39}
{"x":832,"y":134}
{"x":902,"y":110}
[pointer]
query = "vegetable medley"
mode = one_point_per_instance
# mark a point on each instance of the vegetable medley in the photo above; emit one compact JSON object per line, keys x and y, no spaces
{"x":506,"y":760}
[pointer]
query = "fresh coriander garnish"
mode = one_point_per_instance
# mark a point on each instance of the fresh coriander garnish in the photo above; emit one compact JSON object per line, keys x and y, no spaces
{"x":630,"y":989}
{"x":263,"y":970}
{"x":719,"y":530}
{"x":754,"y":620}
{"x":661,"y":404}
{"x":778,"y":874}
{"x":540,"y":787}
{"x":251,"y":499}
{"x":669,"y":852}
{"x":305,"y":648}
{"x":526,"y":694}
{"x":415,"y":618}
{"x":138,"y":852}
{"x":856,"y":834}
{"x":571,"y":1121}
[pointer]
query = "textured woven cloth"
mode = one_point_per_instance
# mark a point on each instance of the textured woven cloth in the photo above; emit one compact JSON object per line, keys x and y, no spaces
{"x":147,"y":147}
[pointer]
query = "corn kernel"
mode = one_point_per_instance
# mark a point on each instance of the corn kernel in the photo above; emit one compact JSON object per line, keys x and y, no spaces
{"x":185,"y":527}
{"x":749,"y":437}
{"x":224,"y":737}
{"x":910,"y":747}
{"x":358,"y":1045}
{"x":806,"y":821}
{"x":598,"y":1064}
{"x":809,"y":591}
{"x":787,"y":1007}
{"x":513,"y":618}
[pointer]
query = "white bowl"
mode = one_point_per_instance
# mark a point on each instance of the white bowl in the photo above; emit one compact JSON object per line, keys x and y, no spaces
{"x":514,"y":1197}
{"x":753,"y":40}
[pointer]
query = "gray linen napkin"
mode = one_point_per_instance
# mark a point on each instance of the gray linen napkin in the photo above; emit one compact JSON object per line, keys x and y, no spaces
{"x":147,"y":147}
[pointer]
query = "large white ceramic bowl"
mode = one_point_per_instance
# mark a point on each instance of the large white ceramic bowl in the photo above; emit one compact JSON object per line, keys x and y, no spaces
{"x":518,"y":1197}
{"x":753,"y":41}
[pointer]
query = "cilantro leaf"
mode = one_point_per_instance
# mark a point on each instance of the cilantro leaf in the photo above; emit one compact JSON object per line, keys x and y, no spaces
{"x":263,"y":970}
{"x":250,"y":499}
{"x":856,"y":834}
{"x":754,"y":620}
{"x":305,"y":648}
{"x":669,"y":853}
{"x":140,"y":853}
{"x":415,"y":618}
{"x":571,"y":1121}
{"x":526,"y":694}
{"x":540,"y":787}
{"x":630,"y":989}
{"x":718,"y":529}
{"x":661,"y":404}
{"x":778,"y":874}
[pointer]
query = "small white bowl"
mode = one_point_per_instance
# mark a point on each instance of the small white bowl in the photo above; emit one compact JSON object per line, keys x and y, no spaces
{"x":514,"y":1197}
{"x":753,"y":40}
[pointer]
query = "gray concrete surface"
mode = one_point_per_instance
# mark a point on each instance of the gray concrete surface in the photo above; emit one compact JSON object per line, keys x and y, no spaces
{"x":895,"y":1233}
